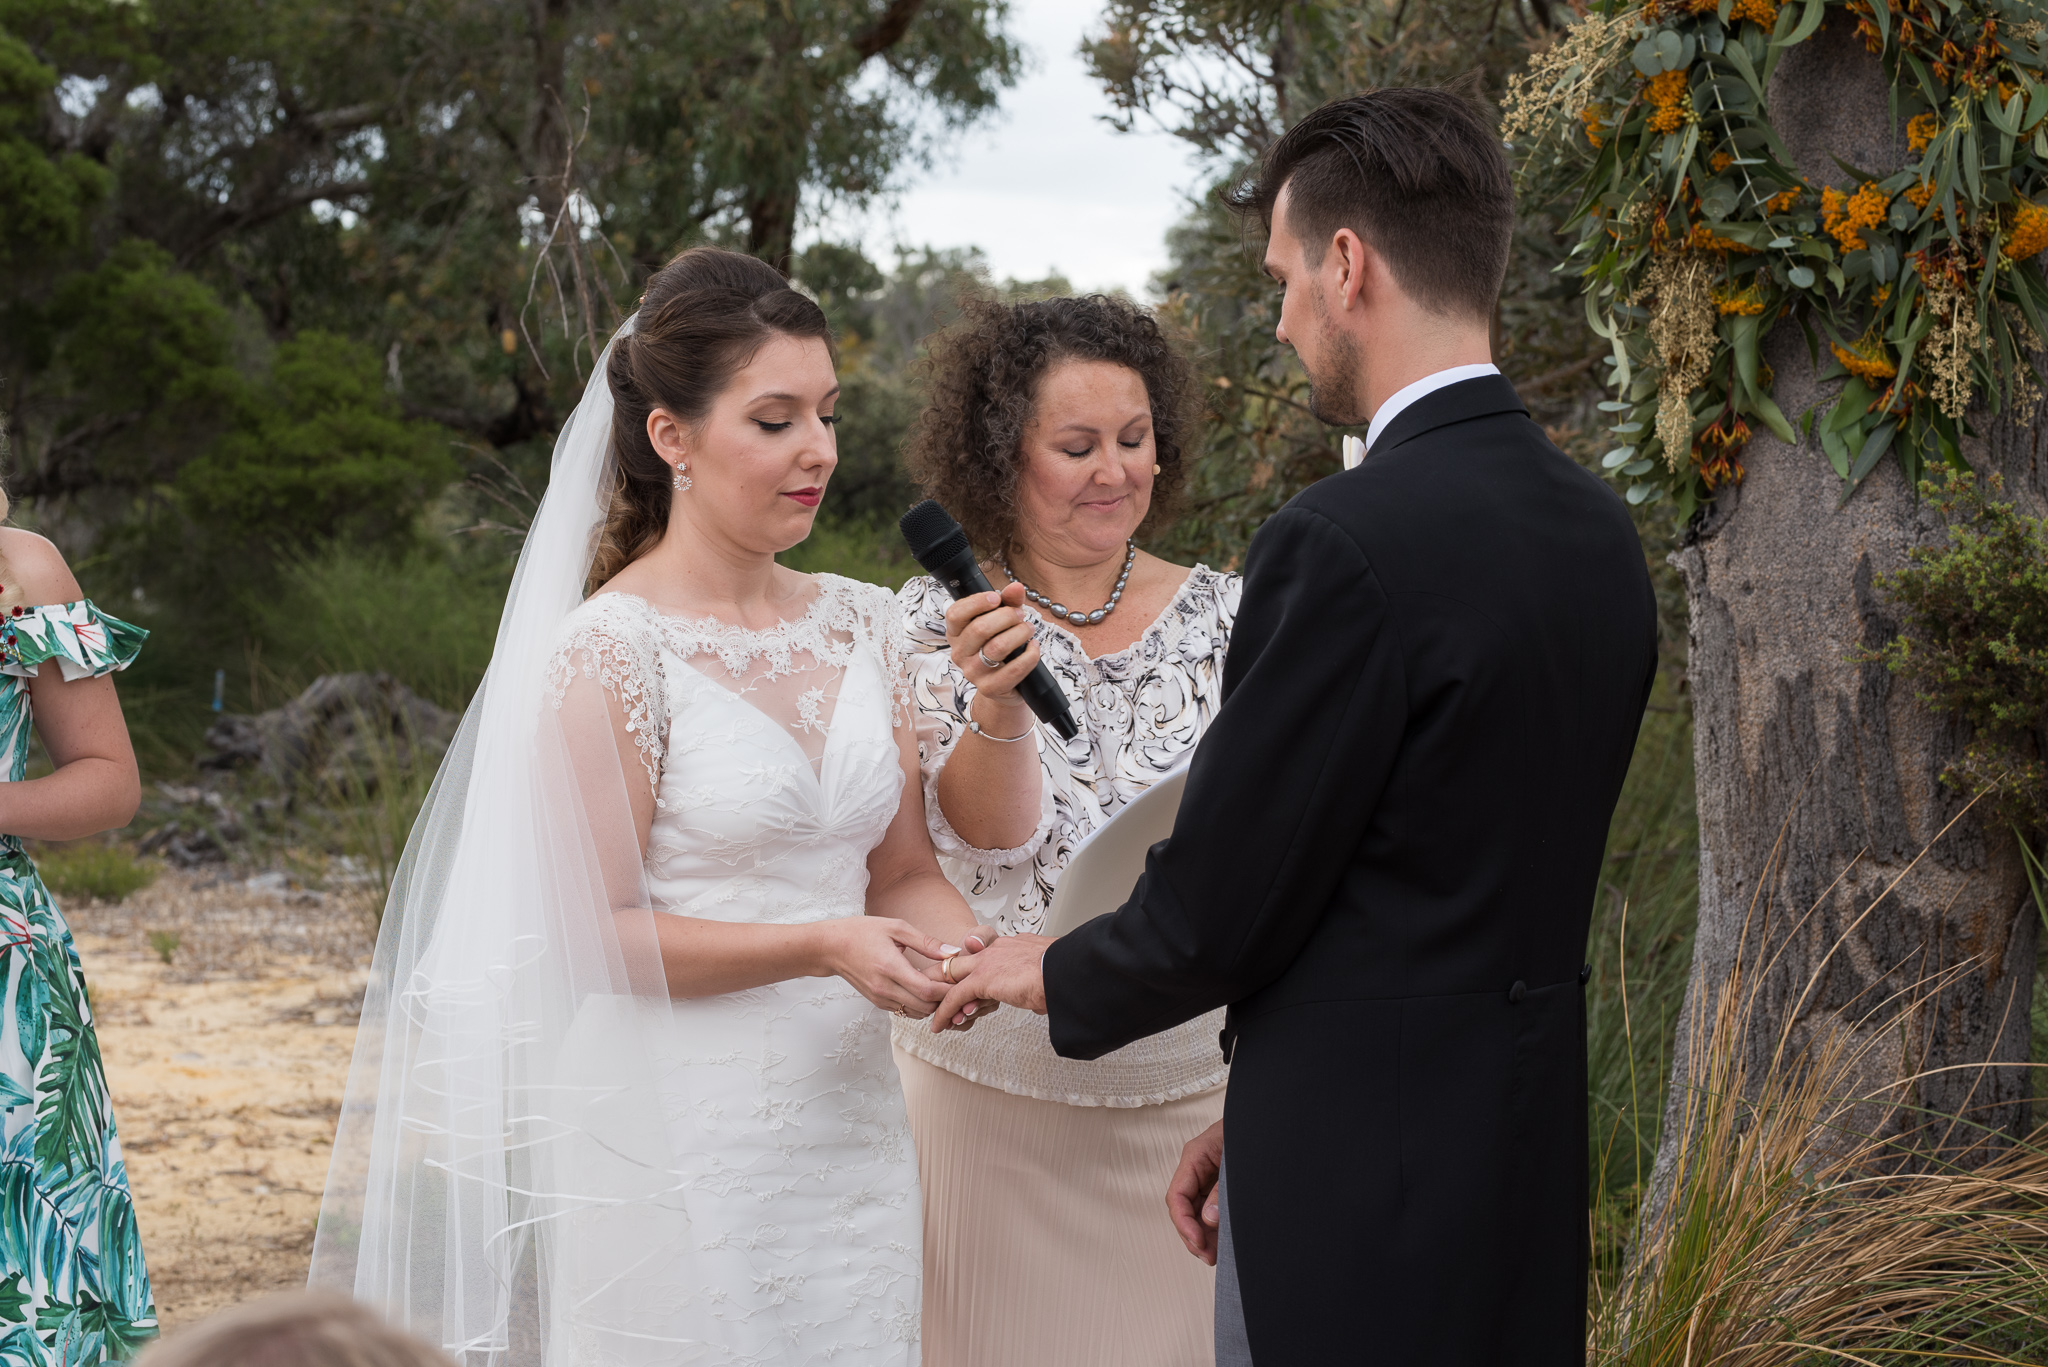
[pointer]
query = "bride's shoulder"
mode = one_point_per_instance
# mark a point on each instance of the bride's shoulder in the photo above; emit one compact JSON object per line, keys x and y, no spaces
{"x":609,"y":617}
{"x":612,"y":606}
{"x":874,"y":605}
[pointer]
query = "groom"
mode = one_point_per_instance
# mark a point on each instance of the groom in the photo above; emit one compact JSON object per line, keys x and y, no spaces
{"x":1388,"y":849}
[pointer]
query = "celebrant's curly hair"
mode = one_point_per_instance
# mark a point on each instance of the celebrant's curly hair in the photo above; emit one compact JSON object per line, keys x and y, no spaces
{"x":702,"y":319}
{"x":982,"y":376}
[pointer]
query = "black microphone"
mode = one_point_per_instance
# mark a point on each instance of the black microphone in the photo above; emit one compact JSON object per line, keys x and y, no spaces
{"x":940,"y":545}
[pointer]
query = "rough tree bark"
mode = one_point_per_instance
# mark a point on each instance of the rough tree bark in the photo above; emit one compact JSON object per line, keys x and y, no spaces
{"x":1818,"y":775}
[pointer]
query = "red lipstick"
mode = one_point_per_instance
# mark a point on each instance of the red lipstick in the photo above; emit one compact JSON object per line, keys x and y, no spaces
{"x":808,"y":497}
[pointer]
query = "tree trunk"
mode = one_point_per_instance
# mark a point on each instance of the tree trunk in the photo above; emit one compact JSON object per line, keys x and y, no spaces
{"x":1823,"y":858}
{"x":771,"y":221}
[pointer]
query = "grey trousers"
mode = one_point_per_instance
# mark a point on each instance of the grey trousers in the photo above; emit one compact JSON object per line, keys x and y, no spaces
{"x":1233,"y":1348}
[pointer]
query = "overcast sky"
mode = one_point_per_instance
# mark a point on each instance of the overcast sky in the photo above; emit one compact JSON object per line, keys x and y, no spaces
{"x":1044,"y":185}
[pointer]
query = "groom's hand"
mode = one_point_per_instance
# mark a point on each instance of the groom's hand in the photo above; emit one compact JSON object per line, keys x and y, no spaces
{"x":1191,"y":1197}
{"x":1007,"y":972}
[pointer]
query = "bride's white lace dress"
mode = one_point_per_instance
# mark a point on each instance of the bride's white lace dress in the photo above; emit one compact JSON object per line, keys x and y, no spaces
{"x":764,"y":1209}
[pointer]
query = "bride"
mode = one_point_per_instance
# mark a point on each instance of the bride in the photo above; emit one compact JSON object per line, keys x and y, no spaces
{"x":622,"y":1093}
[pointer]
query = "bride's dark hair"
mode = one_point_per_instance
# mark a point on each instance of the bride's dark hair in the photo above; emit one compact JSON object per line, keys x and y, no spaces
{"x":702,"y":319}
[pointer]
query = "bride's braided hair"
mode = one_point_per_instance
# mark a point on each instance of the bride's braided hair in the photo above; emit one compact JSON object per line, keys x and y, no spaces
{"x":703,"y":317}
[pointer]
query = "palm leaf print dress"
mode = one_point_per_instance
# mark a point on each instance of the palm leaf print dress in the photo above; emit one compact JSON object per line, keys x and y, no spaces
{"x":73,"y":1287}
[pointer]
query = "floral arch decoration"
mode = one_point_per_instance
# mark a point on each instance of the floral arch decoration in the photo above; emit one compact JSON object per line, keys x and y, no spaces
{"x":1695,"y":234}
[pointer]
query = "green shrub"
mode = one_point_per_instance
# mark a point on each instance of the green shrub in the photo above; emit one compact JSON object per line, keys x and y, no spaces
{"x":868,"y":548}
{"x":90,"y":871}
{"x":428,"y":617}
{"x":1976,"y":641}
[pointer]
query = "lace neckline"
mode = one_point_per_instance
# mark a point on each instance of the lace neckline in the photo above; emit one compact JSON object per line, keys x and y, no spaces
{"x":738,"y":647}
{"x":1199,"y":576}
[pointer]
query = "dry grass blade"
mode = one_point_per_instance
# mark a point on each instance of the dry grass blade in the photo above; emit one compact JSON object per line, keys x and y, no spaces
{"x":1793,"y":1238}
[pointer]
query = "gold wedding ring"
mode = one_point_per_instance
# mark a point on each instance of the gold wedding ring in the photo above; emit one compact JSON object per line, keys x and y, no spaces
{"x":946,"y":967}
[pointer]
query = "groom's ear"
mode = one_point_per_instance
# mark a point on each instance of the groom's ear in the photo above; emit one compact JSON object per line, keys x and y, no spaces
{"x":1354,"y":266}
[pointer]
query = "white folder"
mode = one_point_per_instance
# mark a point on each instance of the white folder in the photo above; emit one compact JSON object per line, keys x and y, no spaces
{"x":1106,"y":865}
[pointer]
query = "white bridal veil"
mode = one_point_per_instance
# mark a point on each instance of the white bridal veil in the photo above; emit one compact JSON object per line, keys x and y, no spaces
{"x":465,"y":1139}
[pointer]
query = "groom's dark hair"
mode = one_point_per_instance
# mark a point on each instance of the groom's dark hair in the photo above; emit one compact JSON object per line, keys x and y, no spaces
{"x":1419,"y":174}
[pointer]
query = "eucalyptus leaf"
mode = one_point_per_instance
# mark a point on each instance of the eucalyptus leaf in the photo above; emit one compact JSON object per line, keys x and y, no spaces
{"x":1619,"y":456}
{"x":1670,"y":50}
{"x":1646,"y":59}
{"x":1836,"y":450}
{"x":1637,"y":469}
{"x":1801,"y":277}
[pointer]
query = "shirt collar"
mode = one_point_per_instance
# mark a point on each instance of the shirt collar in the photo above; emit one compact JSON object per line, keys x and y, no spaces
{"x":1428,"y":384}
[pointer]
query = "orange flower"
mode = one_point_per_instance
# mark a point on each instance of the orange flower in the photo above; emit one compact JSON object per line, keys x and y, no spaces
{"x":1721,"y":161}
{"x":1594,"y":116}
{"x":1920,"y":194}
{"x":2029,"y":235}
{"x":1844,"y":216}
{"x":1782,"y":203}
{"x":1714,"y":451}
{"x":1671,"y":96}
{"x":1867,"y":360}
{"x":1703,"y":239}
{"x":1764,"y":13}
{"x":1922,"y":130}
{"x":1743,"y":303}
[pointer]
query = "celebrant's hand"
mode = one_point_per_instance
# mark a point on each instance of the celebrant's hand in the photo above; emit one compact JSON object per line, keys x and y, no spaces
{"x":1191,"y":1197}
{"x":990,"y":626}
{"x":1007,"y":972}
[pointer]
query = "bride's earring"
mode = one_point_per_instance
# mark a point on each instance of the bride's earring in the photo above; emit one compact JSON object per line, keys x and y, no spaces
{"x":1155,"y":468}
{"x":682,"y":480}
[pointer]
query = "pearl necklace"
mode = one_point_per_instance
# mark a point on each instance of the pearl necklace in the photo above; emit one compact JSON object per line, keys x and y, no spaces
{"x":1076,"y":615}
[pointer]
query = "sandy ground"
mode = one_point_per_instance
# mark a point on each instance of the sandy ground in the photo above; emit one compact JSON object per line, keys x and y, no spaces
{"x":226,"y":1066}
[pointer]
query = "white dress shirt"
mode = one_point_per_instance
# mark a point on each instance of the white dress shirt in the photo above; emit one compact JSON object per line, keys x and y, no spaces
{"x":1428,"y":384}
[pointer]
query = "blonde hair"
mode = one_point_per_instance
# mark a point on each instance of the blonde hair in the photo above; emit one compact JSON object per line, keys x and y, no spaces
{"x":300,"y":1329}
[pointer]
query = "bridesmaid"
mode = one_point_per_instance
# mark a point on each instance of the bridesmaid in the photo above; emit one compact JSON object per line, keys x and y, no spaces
{"x":1058,"y":432}
{"x":73,"y":1287}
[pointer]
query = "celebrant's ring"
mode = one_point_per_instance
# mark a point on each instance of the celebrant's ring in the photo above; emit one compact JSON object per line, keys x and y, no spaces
{"x":983,"y":657}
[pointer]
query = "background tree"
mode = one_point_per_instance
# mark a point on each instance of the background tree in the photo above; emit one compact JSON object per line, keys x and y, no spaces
{"x":286,"y":273}
{"x":1888,"y":913}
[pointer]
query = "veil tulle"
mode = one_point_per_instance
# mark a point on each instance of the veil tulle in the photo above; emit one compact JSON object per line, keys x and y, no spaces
{"x":464,"y":1141}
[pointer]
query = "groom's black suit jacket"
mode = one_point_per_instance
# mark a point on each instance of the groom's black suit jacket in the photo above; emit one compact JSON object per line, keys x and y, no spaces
{"x":1384,"y":864}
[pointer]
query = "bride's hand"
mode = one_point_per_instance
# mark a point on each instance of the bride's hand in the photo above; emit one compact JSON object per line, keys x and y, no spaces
{"x":870,"y":953}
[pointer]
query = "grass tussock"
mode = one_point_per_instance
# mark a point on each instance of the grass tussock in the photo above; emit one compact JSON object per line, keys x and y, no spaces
{"x":89,"y":871}
{"x":1641,"y":951}
{"x":1784,"y":1236}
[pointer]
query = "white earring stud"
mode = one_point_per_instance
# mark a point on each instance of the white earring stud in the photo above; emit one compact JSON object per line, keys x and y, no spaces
{"x":682,"y":480}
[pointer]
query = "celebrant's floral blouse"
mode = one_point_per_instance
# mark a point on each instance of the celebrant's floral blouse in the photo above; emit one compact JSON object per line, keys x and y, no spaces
{"x":1140,"y":711}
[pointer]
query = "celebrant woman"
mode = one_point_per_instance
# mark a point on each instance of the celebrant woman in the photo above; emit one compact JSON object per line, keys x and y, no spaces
{"x":1059,"y":433}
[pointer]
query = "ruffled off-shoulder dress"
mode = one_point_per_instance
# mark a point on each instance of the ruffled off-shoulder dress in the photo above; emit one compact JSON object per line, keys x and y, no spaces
{"x":73,"y":1286}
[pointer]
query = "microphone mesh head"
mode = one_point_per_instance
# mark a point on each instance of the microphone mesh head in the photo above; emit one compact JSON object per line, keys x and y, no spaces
{"x":932,"y":533}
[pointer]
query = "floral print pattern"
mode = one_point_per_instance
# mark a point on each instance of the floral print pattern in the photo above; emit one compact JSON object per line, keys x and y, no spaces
{"x":73,"y":1286}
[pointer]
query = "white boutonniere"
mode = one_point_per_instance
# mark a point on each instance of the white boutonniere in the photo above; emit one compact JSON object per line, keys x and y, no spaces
{"x":1354,"y":452}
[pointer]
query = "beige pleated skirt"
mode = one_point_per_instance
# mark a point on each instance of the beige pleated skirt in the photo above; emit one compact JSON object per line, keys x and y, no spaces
{"x":1046,"y":1238}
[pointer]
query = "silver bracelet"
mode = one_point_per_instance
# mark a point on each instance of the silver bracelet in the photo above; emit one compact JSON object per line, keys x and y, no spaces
{"x":975,"y":727}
